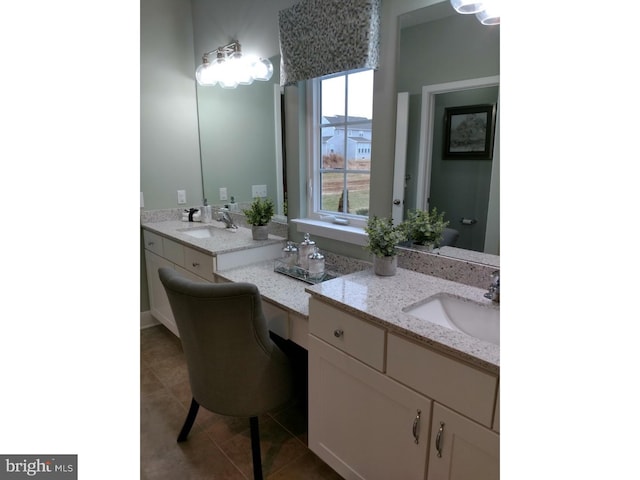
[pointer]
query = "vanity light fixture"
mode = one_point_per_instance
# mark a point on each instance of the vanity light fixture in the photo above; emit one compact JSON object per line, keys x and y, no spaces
{"x":231,"y":67}
{"x":486,"y":11}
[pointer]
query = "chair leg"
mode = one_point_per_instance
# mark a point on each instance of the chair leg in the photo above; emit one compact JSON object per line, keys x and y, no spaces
{"x":188,"y":423}
{"x":255,"y":448}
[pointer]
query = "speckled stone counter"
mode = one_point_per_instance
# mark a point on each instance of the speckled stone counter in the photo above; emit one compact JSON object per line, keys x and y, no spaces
{"x":286,"y":292}
{"x":379,"y":300}
{"x":224,"y":240}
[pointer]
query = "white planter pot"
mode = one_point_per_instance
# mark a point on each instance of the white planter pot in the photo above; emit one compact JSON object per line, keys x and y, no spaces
{"x":385,"y":266}
{"x":260,"y":232}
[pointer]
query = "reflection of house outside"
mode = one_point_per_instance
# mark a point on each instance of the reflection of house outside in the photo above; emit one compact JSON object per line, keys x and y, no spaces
{"x":358,"y":137}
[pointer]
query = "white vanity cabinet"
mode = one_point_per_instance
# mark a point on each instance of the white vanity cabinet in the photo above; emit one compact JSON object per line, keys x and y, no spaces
{"x":163,"y":252}
{"x":377,"y":401}
{"x":462,"y":449}
{"x":361,"y":422}
{"x":158,"y":301}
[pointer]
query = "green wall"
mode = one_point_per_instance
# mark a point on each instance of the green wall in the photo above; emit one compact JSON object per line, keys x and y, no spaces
{"x":169,"y":146}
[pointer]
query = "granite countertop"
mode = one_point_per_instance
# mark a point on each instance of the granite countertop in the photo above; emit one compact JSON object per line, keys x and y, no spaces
{"x":282,"y":290}
{"x":224,"y":240}
{"x":379,"y":300}
{"x":382,"y":299}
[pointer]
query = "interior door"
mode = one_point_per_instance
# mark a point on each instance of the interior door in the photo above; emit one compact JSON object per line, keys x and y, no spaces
{"x":399,"y":169}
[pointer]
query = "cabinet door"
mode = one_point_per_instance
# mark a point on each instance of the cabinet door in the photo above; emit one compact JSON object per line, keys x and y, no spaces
{"x":462,"y":449}
{"x":361,"y":423}
{"x":159,"y":302}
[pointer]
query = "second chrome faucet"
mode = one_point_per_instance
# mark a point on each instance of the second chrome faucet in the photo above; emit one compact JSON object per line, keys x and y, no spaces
{"x":493,"y":293}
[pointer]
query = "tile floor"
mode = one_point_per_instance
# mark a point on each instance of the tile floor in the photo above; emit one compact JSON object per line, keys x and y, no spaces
{"x":218,"y":447}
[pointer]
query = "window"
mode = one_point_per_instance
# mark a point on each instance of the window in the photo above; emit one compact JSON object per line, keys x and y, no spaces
{"x":340,"y":167}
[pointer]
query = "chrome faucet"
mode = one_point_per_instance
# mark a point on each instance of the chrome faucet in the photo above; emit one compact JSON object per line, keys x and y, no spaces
{"x":494,"y":289}
{"x":226,"y":218}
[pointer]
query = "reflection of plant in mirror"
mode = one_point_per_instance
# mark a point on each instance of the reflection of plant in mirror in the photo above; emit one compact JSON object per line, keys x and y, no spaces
{"x":384,"y":236}
{"x":423,"y":227}
{"x":260,"y":212}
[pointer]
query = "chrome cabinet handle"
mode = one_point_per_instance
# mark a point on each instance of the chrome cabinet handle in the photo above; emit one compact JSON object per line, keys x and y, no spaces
{"x":338,"y":333}
{"x":194,"y":264}
{"x":416,"y":429}
{"x":151,"y":244}
{"x":439,"y":438}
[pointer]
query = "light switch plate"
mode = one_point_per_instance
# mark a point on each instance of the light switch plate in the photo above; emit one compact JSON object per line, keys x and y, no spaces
{"x":258,"y":191}
{"x":223,"y":193}
{"x":182,"y":197}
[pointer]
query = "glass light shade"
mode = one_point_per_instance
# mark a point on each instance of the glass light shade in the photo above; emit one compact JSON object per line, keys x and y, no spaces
{"x":262,"y":69}
{"x":488,"y":17}
{"x":467,"y":6}
{"x":240,"y":67}
{"x":226,"y":78}
{"x":204,"y":75}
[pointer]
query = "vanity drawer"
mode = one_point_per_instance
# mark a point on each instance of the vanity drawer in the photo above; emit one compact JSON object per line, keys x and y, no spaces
{"x":152,"y":242}
{"x":461,"y":387}
{"x":348,"y":333}
{"x":173,"y":251}
{"x":199,"y":263}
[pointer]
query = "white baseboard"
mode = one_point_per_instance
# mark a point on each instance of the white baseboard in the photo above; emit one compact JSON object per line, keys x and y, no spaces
{"x":147,"y":320}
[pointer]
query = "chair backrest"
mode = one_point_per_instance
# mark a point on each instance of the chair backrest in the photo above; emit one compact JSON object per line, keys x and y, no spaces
{"x":449,"y":237}
{"x":234,"y":367}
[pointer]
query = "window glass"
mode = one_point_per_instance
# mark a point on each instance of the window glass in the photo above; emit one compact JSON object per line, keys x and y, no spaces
{"x":342,"y":160}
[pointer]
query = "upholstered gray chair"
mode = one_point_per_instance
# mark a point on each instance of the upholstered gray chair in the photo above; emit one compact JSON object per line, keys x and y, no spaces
{"x":235,"y":369}
{"x":449,"y":237}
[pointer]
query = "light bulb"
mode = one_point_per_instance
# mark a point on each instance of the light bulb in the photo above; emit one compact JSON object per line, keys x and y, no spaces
{"x":262,"y":69}
{"x":490,"y":15}
{"x":204,"y":75}
{"x":467,"y":6}
{"x":239,"y":65}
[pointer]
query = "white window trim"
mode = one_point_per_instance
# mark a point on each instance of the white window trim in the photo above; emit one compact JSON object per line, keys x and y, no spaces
{"x":324,"y":224}
{"x":342,"y":233}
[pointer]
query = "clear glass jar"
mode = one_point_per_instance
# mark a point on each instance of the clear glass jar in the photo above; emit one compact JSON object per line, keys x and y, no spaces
{"x":316,"y":265}
{"x":305,"y":248}
{"x":290,"y":256}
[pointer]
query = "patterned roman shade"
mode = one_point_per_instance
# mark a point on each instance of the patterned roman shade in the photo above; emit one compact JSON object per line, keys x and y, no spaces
{"x":319,"y":37}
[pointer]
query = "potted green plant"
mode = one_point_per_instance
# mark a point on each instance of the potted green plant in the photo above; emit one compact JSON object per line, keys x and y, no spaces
{"x":383,"y":240}
{"x":259,"y":215}
{"x":424,"y":228}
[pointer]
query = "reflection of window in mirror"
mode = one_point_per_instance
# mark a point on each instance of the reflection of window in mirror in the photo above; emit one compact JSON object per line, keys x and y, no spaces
{"x":341,"y":139}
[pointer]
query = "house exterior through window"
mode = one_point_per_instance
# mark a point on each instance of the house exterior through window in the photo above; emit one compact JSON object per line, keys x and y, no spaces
{"x":341,"y":144}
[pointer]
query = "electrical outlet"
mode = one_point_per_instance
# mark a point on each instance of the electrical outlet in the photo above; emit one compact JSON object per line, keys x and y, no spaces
{"x":258,"y":191}
{"x":223,"y":193}
{"x":182,"y":197}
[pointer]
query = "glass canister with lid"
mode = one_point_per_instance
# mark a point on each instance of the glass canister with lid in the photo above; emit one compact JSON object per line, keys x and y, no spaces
{"x":305,"y":248}
{"x":316,"y":265}
{"x":290,"y":256}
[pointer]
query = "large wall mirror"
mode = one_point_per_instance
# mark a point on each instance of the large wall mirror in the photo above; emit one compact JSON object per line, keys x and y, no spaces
{"x":448,"y":60}
{"x":241,"y":141}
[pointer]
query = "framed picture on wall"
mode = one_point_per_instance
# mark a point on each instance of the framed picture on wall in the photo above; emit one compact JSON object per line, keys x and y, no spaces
{"x":469,"y":132}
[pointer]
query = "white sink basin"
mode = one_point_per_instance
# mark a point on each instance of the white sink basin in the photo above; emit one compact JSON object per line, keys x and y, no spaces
{"x":475,"y":319}
{"x":207,"y":231}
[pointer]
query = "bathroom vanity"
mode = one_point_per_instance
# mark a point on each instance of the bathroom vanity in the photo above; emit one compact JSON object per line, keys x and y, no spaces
{"x":197,"y":251}
{"x":391,"y":395}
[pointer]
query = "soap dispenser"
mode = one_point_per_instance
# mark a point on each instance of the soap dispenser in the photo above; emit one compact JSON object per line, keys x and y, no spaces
{"x":206,"y":212}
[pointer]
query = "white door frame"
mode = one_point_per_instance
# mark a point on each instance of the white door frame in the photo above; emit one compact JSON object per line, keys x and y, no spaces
{"x":426,"y":129}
